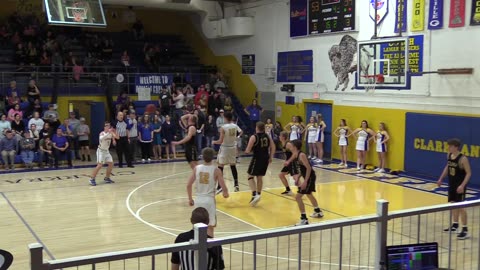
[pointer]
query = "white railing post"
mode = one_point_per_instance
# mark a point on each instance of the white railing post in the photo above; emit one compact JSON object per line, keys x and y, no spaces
{"x":381,"y":234}
{"x":201,"y":238}
{"x":36,"y":256}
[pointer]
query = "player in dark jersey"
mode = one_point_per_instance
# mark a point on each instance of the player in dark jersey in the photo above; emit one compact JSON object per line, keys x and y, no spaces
{"x":290,"y":165}
{"x":191,"y":155}
{"x":308,"y":184}
{"x":263,"y":149}
{"x":459,"y":173}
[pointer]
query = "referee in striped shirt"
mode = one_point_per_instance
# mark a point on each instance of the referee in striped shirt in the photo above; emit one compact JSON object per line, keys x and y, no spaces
{"x":185,"y":260}
{"x":123,"y":143}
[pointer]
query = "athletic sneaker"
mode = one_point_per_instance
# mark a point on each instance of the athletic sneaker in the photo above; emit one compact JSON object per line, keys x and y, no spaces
{"x":309,"y":157}
{"x":92,"y":182}
{"x":255,"y":199}
{"x":287,"y":192}
{"x":143,"y":160}
{"x":341,"y":164}
{"x":452,"y":229}
{"x":149,"y":160}
{"x":376,"y":170}
{"x":219,"y":190}
{"x":238,"y":160}
{"x":108,"y":180}
{"x":359,"y":169}
{"x":381,"y":171}
{"x":237,"y":188}
{"x":317,"y":214}
{"x":463,"y":235}
{"x":345,"y":165}
{"x":302,"y":222}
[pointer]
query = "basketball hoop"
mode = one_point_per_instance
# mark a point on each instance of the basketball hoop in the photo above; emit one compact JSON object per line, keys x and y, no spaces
{"x":78,"y":11}
{"x":373,"y":80}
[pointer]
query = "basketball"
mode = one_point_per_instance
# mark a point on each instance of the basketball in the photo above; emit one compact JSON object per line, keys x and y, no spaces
{"x":151,"y":108}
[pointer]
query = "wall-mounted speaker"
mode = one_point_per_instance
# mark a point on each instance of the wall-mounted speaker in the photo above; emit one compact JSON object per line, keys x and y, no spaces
{"x":290,"y":88}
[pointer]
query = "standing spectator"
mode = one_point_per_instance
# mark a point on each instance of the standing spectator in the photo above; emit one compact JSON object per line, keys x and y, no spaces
{"x":157,"y":137}
{"x":254,"y":111}
{"x":35,"y":135}
{"x":168,"y":135}
{"x":201,"y":120}
{"x":138,"y":31}
{"x":32,"y":92}
{"x":218,"y":101}
{"x":18,"y":126}
{"x":210,"y":131}
{"x":123,"y":141}
{"x":201,"y":92}
{"x":4,"y":125}
{"x":83,"y":133}
{"x":121,"y":100}
{"x":221,"y":119}
{"x":46,"y":131}
{"x":133,"y":134}
{"x":61,"y":148}
{"x":45,"y":152}
{"x":146,"y":137}
{"x":164,"y":101}
{"x":14,"y":111}
{"x":27,"y":145}
{"x":74,"y":124}
{"x":125,"y":59}
{"x":45,"y":60}
{"x":228,"y":106}
{"x":36,"y":120}
{"x":179,"y":100}
{"x":8,"y":149}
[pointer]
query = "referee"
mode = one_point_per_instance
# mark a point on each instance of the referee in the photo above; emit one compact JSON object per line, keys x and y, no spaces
{"x":186,"y":258}
{"x":123,"y":147}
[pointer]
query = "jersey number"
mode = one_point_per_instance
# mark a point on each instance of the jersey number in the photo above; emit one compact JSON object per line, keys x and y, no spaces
{"x":204,"y":178}
{"x":232,"y":132}
{"x":452,"y":171}
{"x":264,"y":142}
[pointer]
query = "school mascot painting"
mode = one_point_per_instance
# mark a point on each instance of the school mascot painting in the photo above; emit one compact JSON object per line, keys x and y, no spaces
{"x":342,"y":58}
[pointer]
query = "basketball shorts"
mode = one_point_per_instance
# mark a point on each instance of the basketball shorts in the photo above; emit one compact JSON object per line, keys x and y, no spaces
{"x":103,"y":156}
{"x":258,"y":166}
{"x":209,"y":204}
{"x":310,"y":186}
{"x":227,"y":155}
{"x":191,"y":153}
{"x":453,"y":196}
{"x":84,"y":143}
{"x":291,"y":169}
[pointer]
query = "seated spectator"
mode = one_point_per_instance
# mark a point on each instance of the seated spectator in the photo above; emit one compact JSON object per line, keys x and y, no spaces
{"x":228,"y":105}
{"x":45,"y":152}
{"x":121,"y":100}
{"x":34,"y":134}
{"x":51,"y":116}
{"x":138,"y":31}
{"x":35,"y":107}
{"x":37,"y":121}
{"x":77,"y":71}
{"x":46,"y":131}
{"x":57,"y":62}
{"x":18,"y":126}
{"x":125,"y":59}
{"x":184,"y":259}
{"x":27,"y":145}
{"x":8,"y":149}
{"x":33,"y":92}
{"x":4,"y":125}
{"x":45,"y":59}
{"x":12,"y":90}
{"x":61,"y":148}
{"x":12,"y":102}
{"x":83,"y":133}
{"x":32,"y":54}
{"x":14,"y":111}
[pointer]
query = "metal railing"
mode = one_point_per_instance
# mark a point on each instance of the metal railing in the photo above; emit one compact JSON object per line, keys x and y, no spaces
{"x":349,"y":243}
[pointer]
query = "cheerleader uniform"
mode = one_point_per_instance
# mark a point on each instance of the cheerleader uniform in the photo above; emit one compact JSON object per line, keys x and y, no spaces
{"x":320,"y":134}
{"x":311,"y":133}
{"x":342,"y":140}
{"x":294,"y":132}
{"x":362,"y":141}
{"x":381,"y":147}
{"x":269,"y":130}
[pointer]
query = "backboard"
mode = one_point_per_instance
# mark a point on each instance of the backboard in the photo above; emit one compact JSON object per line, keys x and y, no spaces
{"x":80,"y":13}
{"x":383,"y":62}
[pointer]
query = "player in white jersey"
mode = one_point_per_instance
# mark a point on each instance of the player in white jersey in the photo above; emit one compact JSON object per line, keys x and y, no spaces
{"x":229,"y":133}
{"x":103,"y":153}
{"x":206,"y":177}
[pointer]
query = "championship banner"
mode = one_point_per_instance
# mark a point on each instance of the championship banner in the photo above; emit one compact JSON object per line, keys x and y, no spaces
{"x":152,"y":83}
{"x":457,"y":13}
{"x":401,"y":16}
{"x":418,"y":15}
{"x":435,"y":15}
{"x":381,"y":8}
{"x":475,"y":19}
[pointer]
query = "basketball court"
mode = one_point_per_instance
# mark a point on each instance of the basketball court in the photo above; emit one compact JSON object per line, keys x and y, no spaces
{"x":147,"y":206}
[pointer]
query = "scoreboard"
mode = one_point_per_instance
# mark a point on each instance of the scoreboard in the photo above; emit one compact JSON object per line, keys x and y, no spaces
{"x":330,"y":16}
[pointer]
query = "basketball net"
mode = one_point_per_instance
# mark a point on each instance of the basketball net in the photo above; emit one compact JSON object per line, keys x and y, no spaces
{"x":373,"y":80}
{"x":79,"y":11}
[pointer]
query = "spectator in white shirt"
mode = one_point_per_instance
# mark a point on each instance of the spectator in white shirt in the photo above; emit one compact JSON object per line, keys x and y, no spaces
{"x":4,"y":125}
{"x":37,"y":121}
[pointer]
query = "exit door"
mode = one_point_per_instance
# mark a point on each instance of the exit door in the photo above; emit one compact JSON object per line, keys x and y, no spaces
{"x":326,"y":111}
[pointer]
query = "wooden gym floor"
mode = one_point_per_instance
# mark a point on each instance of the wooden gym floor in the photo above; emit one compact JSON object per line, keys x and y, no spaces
{"x":147,"y":206}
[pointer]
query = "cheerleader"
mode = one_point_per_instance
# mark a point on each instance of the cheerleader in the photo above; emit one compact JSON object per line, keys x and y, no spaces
{"x":295,"y":128}
{"x":364,"y":135}
{"x":269,"y":128}
{"x":342,"y":132}
{"x":381,"y":140}
{"x":320,"y":138}
{"x":311,"y":138}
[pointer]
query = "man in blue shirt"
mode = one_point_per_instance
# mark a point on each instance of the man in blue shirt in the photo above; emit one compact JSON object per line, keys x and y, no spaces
{"x":254,"y":111}
{"x":8,"y":148}
{"x":60,"y":145}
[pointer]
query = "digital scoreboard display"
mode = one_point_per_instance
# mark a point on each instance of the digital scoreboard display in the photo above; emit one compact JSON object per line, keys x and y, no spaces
{"x":330,"y":16}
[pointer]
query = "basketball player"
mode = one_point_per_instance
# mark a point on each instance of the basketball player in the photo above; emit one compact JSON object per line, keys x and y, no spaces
{"x":290,"y":165}
{"x":189,"y":140}
{"x":263,"y":149}
{"x":227,"y":154}
{"x":307,"y":187}
{"x":320,"y":138}
{"x":342,"y":132}
{"x":206,"y":177}
{"x":311,"y":137}
{"x":364,"y":133}
{"x":459,"y":173}
{"x":381,"y":140}
{"x":103,"y":154}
